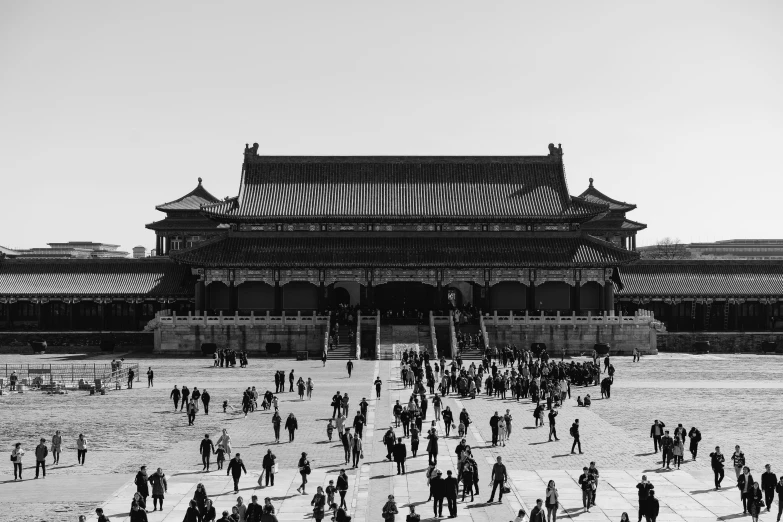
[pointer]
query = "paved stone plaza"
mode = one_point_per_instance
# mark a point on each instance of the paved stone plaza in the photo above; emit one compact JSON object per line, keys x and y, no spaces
{"x":733,"y":399}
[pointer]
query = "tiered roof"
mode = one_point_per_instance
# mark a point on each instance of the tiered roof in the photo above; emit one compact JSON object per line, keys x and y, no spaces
{"x":184,"y":214}
{"x":193,"y":200}
{"x":594,"y":195}
{"x":615,"y":219}
{"x":409,"y":188}
{"x":703,"y":279}
{"x":148,"y":277}
{"x":561,"y":250}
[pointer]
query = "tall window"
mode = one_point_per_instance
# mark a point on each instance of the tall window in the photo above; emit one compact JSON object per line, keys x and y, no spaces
{"x":191,"y":240}
{"x":176,"y":243}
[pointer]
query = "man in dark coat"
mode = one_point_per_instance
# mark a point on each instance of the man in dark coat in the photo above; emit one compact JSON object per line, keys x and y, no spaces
{"x":768,"y":481}
{"x":205,"y":398}
{"x":235,"y":468}
{"x":438,"y":492}
{"x":575,"y":434}
{"x":493,"y":423}
{"x":450,"y":486}
{"x":653,"y":507}
{"x":254,"y":510}
{"x":400,"y":452}
{"x":291,"y":381}
{"x":388,"y":440}
{"x":645,"y":488}
{"x":185,"y":395}
{"x":291,"y":425}
{"x":656,"y":432}
{"x":499,"y":477}
{"x":347,"y":440}
{"x":269,"y":467}
{"x":141,"y":483}
{"x":175,"y":394}
{"x":667,"y":443}
{"x":206,"y":448}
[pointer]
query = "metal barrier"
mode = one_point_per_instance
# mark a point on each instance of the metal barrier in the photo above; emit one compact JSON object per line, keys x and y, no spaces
{"x":68,"y":373}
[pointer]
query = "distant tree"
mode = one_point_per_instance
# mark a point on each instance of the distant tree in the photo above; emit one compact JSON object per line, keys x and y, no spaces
{"x":667,"y":248}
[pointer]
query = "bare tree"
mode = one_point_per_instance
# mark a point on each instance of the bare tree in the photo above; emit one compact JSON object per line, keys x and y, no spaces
{"x":667,"y":248}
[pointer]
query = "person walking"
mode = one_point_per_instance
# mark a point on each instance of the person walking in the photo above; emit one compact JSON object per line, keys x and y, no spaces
{"x":450,"y":486}
{"x":347,"y":440}
{"x":310,"y":388}
{"x":291,"y":381}
{"x":552,"y":423}
{"x":744,"y":484}
{"x":255,"y":511}
{"x":437,"y":492}
{"x":755,"y":501}
{"x":291,"y":425}
{"x":16,"y":458}
{"x":342,"y":487}
{"x":175,"y":396}
{"x":304,"y":470}
{"x":656,"y":432}
{"x":142,"y":486}
{"x":192,"y":412}
{"x":399,"y":451}
{"x":81,"y":449}
{"x":319,"y":504}
{"x":235,"y":469}
{"x":206,"y":448}
{"x":695,"y":436}
{"x":667,"y":443}
{"x":738,"y":458}
{"x":41,"y":452}
{"x":131,"y":375}
{"x":349,"y":366}
{"x":205,"y":398}
{"x":378,"y":383}
{"x":357,"y":451}
{"x":644,"y":489}
{"x":586,"y":484}
{"x":159,"y":488}
{"x":552,"y":501}
{"x":653,"y":507}
{"x":537,"y":513}
{"x":276,"y":422}
{"x":358,"y":423}
{"x":716,"y":462}
{"x":432,"y":447}
{"x":150,"y":376}
{"x":268,"y":464}
{"x":494,"y":424}
{"x":768,"y":480}
{"x":468,"y":476}
{"x":575,"y":434}
{"x":677,"y":451}
{"x":57,"y":442}
{"x":389,"y":509}
{"x":779,"y":491}
{"x":498,"y":478}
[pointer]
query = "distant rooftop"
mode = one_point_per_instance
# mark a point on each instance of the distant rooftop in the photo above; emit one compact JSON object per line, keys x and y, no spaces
{"x":72,"y":250}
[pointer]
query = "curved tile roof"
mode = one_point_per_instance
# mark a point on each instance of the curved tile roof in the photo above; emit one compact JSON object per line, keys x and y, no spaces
{"x":193,"y":200}
{"x":420,"y":188}
{"x":594,"y":195}
{"x":703,"y":279}
{"x":576,"y":250}
{"x":95,"y":277}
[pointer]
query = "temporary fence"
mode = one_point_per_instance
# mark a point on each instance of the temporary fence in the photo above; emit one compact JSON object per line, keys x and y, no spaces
{"x":68,"y":373}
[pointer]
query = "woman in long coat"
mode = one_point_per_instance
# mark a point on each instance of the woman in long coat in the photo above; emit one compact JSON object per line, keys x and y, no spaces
{"x":755,"y":501}
{"x":318,"y":503}
{"x":225,"y":442}
{"x":159,"y":488}
{"x":200,"y":496}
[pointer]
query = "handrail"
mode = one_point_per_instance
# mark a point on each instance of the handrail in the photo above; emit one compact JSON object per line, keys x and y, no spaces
{"x":453,"y":336}
{"x":483,"y":330}
{"x":327,"y":332}
{"x":433,"y":337}
{"x":243,"y":320}
{"x":557,"y":319}
{"x":378,"y":335}
{"x":358,"y":334}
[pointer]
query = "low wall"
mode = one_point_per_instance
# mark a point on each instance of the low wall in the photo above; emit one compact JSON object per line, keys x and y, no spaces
{"x":188,"y":339}
{"x":579,"y":339}
{"x":74,"y":342}
{"x":720,"y":342}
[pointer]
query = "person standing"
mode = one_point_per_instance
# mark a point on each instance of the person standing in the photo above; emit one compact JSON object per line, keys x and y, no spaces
{"x":432,"y":447}
{"x":225,"y":442}
{"x":191,"y":412}
{"x":438,"y":492}
{"x":142,"y":486}
{"x":653,"y":507}
{"x":695,"y":436}
{"x":150,"y":376}
{"x":744,"y":484}
{"x":378,"y":384}
{"x":400,"y":453}
{"x":347,"y":439}
{"x":494,"y":424}
{"x":645,"y":488}
{"x":779,"y":491}
{"x":656,"y":432}
{"x":499,"y":477}
{"x":552,"y":423}
{"x":131,"y":375}
{"x":81,"y":449}
{"x":254,"y":510}
{"x":667,"y":443}
{"x":235,"y":468}
{"x":768,"y":480}
{"x":175,"y":395}
{"x":716,"y":461}
{"x":291,"y":381}
{"x":537,"y":513}
{"x":185,"y":395}
{"x":41,"y":452}
{"x":575,"y":434}
{"x":319,"y":504}
{"x":291,"y":425}
{"x":159,"y":488}
{"x":389,"y":509}
{"x":552,"y":502}
{"x":586,"y":484}
{"x":276,"y":422}
{"x":337,"y":400}
{"x":57,"y":441}
{"x":342,"y":487}
{"x":14,"y":378}
{"x":205,"y":398}
{"x":349,"y":366}
{"x":206,"y":448}
{"x":268,"y":464}
{"x":16,"y":457}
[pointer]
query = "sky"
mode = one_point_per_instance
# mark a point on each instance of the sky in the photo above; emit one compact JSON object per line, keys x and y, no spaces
{"x":108,"y":109}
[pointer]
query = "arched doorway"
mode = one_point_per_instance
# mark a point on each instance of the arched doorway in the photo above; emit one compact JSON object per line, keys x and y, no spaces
{"x":454,"y":297}
{"x":341,"y":296}
{"x":398,"y":295}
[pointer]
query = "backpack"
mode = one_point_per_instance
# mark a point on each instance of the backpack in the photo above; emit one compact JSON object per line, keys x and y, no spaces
{"x":571,"y":430}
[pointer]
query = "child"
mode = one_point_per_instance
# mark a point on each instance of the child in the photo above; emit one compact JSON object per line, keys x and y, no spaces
{"x":221,"y":457}
{"x":329,"y":430}
{"x":330,"y":489}
{"x":461,"y":429}
{"x":225,"y":405}
{"x":579,"y":400}
{"x":274,"y":402}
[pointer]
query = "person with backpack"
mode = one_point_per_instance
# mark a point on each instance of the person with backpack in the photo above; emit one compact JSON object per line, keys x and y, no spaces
{"x":695,"y":436}
{"x":574,"y":431}
{"x":304,"y":470}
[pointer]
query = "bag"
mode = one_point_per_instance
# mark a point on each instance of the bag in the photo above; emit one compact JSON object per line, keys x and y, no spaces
{"x":571,"y":431}
{"x":274,"y":469}
{"x":13,"y":458}
{"x":307,"y":469}
{"x":261,"y":476}
{"x":505,"y":489}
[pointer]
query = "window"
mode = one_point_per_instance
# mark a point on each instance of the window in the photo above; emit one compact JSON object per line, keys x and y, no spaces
{"x":176,"y":243}
{"x":191,"y":240}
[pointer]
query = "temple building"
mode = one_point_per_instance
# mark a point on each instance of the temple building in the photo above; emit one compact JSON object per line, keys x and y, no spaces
{"x":612,"y":226}
{"x":307,"y":233}
{"x":184,"y":224}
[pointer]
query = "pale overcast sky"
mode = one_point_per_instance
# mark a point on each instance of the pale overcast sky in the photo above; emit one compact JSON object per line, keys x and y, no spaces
{"x":110,"y":108}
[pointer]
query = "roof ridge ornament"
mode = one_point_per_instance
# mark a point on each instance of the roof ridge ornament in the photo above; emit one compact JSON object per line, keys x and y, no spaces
{"x":556,"y":152}
{"x":251,"y":151}
{"x":591,"y":182}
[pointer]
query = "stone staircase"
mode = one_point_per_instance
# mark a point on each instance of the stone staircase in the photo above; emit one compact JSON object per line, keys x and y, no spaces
{"x":471,"y":352}
{"x":345,"y":348}
{"x":409,"y":337}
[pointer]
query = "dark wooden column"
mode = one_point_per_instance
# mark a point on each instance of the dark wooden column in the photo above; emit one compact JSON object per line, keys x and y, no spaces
{"x":70,"y":315}
{"x":321,"y":296}
{"x":609,"y":296}
{"x":439,"y":301}
{"x":8,"y":315}
{"x":602,"y":297}
{"x":278,"y":298}
{"x":201,"y":292}
{"x":232,"y":297}
{"x":532,"y":306}
{"x":576,"y":298}
{"x":370,"y":295}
